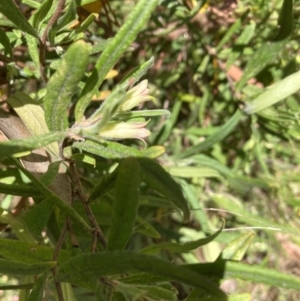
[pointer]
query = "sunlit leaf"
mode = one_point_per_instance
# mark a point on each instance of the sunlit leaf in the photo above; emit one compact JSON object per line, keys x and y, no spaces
{"x":237,"y":248}
{"x":63,"y":84}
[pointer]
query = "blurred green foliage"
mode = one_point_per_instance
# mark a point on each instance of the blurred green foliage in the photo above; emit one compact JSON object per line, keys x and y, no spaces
{"x":228,"y":73}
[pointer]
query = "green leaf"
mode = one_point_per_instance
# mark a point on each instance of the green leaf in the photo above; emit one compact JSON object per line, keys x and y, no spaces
{"x":108,"y":149}
{"x":9,"y":267}
{"x":32,"y":116}
{"x":32,"y":44}
{"x":17,"y":226}
{"x":230,"y":32}
{"x":29,"y":253}
{"x":19,"y":189}
{"x":193,"y":172}
{"x":37,"y":218}
{"x":48,"y":177}
{"x":38,"y":288}
{"x":130,"y":292}
{"x":16,"y":287}
{"x":9,"y":9}
{"x":143,"y":278}
{"x":84,"y":26}
{"x":241,"y":213}
{"x":160,"y":292}
{"x":135,"y":75}
{"x":123,"y":262}
{"x":274,"y":93}
{"x":4,"y":40}
{"x":40,"y":14}
{"x":68,"y":16}
{"x":107,"y":182}
{"x":100,"y":46}
{"x":253,"y":273}
{"x":237,"y":248}
{"x":63,"y":83}
{"x":146,"y":228}
{"x":141,"y":114}
{"x":269,"y":50}
{"x":125,"y":204}
{"x":286,"y":20}
{"x":113,"y":51}
{"x":11,"y":147}
{"x":153,"y":152}
{"x":216,"y":137}
{"x":181,"y":248}
{"x":157,"y":178}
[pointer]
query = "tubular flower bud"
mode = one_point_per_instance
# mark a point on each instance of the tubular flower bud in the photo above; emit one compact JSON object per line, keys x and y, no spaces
{"x":124,"y":130}
{"x":136,"y":95}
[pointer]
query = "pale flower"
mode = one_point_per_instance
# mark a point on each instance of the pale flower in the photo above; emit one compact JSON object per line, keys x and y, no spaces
{"x":136,"y":95}
{"x":124,"y":130}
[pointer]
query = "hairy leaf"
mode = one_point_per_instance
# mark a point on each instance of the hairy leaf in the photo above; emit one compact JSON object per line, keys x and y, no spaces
{"x":63,"y":83}
{"x":125,"y":204}
{"x":123,"y":262}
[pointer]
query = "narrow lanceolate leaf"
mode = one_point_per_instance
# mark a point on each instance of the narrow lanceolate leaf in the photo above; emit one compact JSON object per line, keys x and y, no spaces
{"x":274,"y":93}
{"x":63,"y":83}
{"x":9,"y":9}
{"x":216,"y":137}
{"x":126,"y":35}
{"x":153,"y":152}
{"x":143,"y":113}
{"x":37,"y":218}
{"x":146,"y":228}
{"x":19,"y":189}
{"x":32,"y":44}
{"x":8,"y":267}
{"x":157,"y":178}
{"x":237,"y":248}
{"x":108,"y":149}
{"x":29,"y":253}
{"x":9,"y":148}
{"x":4,"y":40}
{"x":286,"y":20}
{"x":138,"y":72}
{"x":107,"y":183}
{"x":231,"y":269}
{"x":270,"y":49}
{"x":38,"y":288}
{"x":125,"y":204}
{"x":180,"y":248}
{"x":32,"y":116}
{"x":40,"y":14}
{"x":124,"y":262}
{"x":68,"y":16}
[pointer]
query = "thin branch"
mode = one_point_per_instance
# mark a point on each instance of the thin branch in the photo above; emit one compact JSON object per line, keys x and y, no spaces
{"x":54,"y":258}
{"x":89,"y":212}
{"x":43,"y":39}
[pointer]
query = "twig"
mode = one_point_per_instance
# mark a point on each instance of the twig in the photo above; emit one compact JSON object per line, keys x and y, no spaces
{"x":54,"y":258}
{"x":89,"y":212}
{"x":43,"y":39}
